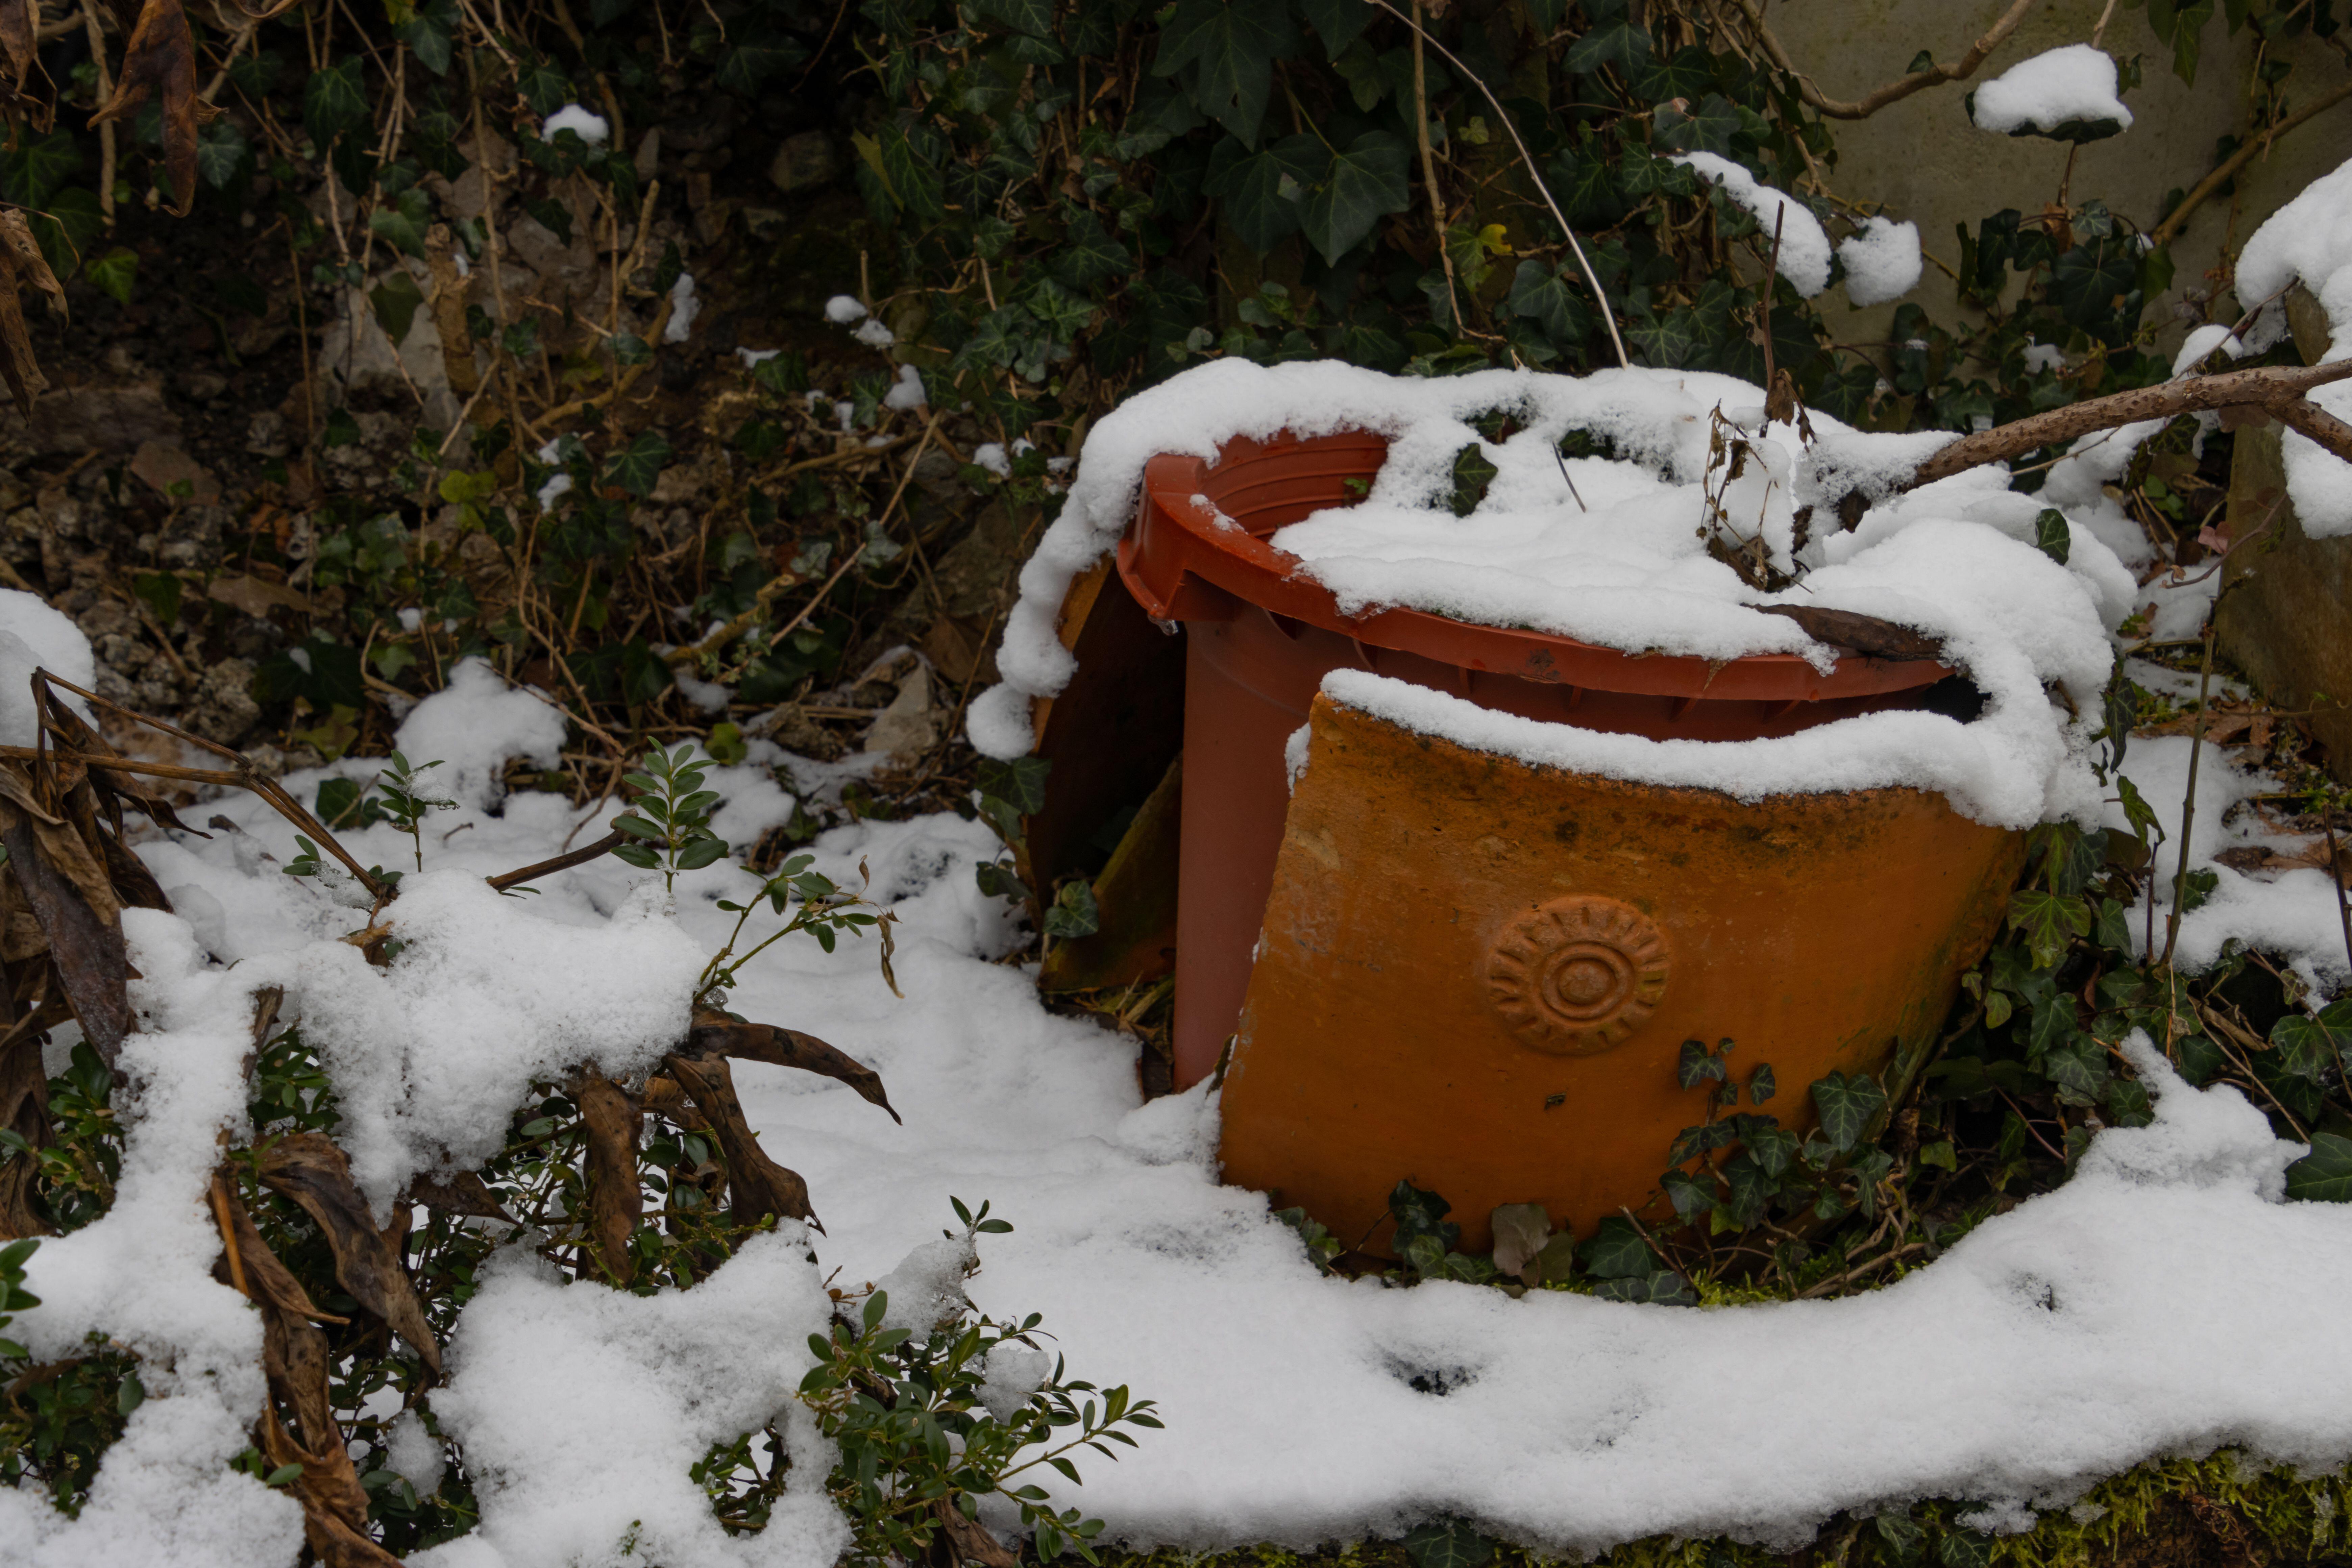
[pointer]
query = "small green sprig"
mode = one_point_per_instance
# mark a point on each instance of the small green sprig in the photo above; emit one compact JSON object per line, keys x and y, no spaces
{"x":408,"y":800}
{"x":825,"y":909}
{"x":670,"y":816}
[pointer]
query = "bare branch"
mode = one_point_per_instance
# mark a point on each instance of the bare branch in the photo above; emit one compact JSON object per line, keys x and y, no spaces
{"x":580,"y":856}
{"x":1893,"y":92}
{"x":2277,"y":390}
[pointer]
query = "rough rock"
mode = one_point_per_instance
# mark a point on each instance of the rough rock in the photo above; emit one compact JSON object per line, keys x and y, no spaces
{"x":804,"y":163}
{"x":102,"y":417}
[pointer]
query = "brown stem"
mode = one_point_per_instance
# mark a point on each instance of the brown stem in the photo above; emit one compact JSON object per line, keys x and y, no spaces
{"x":1429,"y":167}
{"x":2189,"y":798}
{"x":2255,"y":146}
{"x":1893,"y":92}
{"x":2336,"y":875}
{"x":2278,"y":390}
{"x":578,"y":857}
{"x":1608,"y":317}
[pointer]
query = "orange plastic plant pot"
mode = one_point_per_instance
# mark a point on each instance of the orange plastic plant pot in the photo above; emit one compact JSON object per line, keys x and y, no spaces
{"x":1261,"y":638}
{"x":1478,"y":974}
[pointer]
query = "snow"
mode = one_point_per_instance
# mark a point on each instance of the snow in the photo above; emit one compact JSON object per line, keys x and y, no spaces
{"x":35,"y":637}
{"x":1629,"y":568}
{"x":580,"y":1409}
{"x":843,"y":309}
{"x":474,"y":727}
{"x":2308,"y":240}
{"x":683,"y":307}
{"x":591,"y":127}
{"x":1882,"y":262}
{"x":1804,"y":246}
{"x":907,"y":391}
{"x":2074,"y":83}
{"x":874,"y":334}
{"x":2138,"y":1310}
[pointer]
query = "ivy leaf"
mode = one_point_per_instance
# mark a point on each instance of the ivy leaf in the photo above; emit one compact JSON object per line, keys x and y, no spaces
{"x":2048,"y":921}
{"x":1088,"y":253}
{"x":1364,"y":185}
{"x":2077,"y":1065}
{"x":220,"y":152}
{"x":636,"y":468}
{"x":1707,"y":129}
{"x":1620,"y":43}
{"x":1544,"y":295}
{"x":2087,"y":282}
{"x":1847,"y":1103}
{"x":2051,"y":536}
{"x":1617,"y":1252}
{"x":757,"y":60}
{"x":1074,"y":912}
{"x":1691,"y":1195}
{"x":395,"y":302}
{"x":1447,"y":1543}
{"x":1251,"y":188}
{"x":1672,"y":339}
{"x":999,"y":882}
{"x":1035,"y":17}
{"x":1234,"y":46}
{"x":2305,"y":1048}
{"x":114,"y":272}
{"x":544,"y":87}
{"x":2324,"y":1176}
{"x":1686,"y":74}
{"x":1661,"y":1288}
{"x":1337,"y":23}
{"x":1019,"y":784}
{"x":333,"y":101}
{"x":39,"y":167}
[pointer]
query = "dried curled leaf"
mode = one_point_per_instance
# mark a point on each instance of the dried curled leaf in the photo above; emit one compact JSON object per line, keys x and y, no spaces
{"x":1864,"y":633}
{"x":615,"y":1199}
{"x":160,"y":62}
{"x":18,"y":23}
{"x":24,"y":1110}
{"x":334,"y":1505}
{"x":311,"y":1171}
{"x":463,"y":1193}
{"x":21,"y":261}
{"x":112,"y":783}
{"x":717,"y":1035}
{"x":760,"y":1186}
{"x":73,"y":897}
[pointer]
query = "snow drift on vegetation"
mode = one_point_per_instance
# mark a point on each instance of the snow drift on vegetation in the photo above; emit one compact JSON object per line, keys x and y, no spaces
{"x":1628,"y":568}
{"x":2309,"y":240}
{"x":1882,"y":262}
{"x":2141,"y":1309}
{"x":2076,"y":83}
{"x":1804,"y":247}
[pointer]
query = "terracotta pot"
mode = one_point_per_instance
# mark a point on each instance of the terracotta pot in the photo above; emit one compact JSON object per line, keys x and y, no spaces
{"x":1478,"y":974}
{"x":1259,"y":641}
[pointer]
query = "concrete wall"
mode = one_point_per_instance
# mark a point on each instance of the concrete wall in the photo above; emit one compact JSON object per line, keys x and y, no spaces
{"x":1927,"y":163}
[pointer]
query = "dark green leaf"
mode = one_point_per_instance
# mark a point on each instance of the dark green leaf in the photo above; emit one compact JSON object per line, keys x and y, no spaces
{"x":1662,"y":1288}
{"x":1233,"y":46}
{"x":1074,"y":913}
{"x":395,"y":302}
{"x":2324,"y":1176}
{"x":114,"y":273}
{"x":1847,"y":1103}
{"x":636,"y":468}
{"x":1621,"y":43}
{"x":1019,"y":784}
{"x":334,"y":101}
{"x":1362,"y":186}
{"x":2088,"y":282}
{"x":1617,"y":1251}
{"x":1694,"y":1065}
{"x":1447,"y":1544}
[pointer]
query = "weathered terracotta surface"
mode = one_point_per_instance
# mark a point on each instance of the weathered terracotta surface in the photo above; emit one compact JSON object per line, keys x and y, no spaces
{"x":1259,"y":638}
{"x":1478,"y":974}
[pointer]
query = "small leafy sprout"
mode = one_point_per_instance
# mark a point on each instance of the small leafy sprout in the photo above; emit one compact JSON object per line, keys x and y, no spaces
{"x":408,"y":800}
{"x":925,"y":1423}
{"x":825,"y":910}
{"x":329,"y":872}
{"x":670,"y":817}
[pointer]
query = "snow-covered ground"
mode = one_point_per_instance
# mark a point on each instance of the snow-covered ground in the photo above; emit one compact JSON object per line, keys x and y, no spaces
{"x":2145,"y":1308}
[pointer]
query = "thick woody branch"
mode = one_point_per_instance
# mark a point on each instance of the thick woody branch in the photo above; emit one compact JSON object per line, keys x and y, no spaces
{"x":2277,"y":390}
{"x":1893,"y":92}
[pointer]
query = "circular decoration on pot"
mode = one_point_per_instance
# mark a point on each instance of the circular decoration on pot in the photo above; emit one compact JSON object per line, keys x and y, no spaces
{"x":1578,"y":974}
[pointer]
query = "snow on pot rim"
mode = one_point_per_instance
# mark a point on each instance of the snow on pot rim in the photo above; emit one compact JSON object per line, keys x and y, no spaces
{"x":1630,"y":571}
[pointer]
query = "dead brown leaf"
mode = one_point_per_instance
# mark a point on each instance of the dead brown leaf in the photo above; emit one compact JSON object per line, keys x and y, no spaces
{"x":1864,"y":633}
{"x":114,"y":783}
{"x":21,"y":261}
{"x":24,"y":1110}
{"x":463,"y":1193}
{"x":256,"y":597}
{"x":73,"y":897}
{"x":160,"y":62}
{"x":715,"y":1034}
{"x":19,"y":20}
{"x":615,"y":1199}
{"x":334,"y":1505}
{"x":311,"y":1171}
{"x":759,"y":1185}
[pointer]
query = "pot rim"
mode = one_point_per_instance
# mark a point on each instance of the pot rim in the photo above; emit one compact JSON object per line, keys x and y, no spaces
{"x":1182,"y":563}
